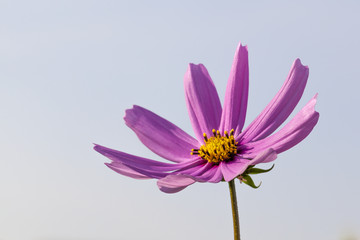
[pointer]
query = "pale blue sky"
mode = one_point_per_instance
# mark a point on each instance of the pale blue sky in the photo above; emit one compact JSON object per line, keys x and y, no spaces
{"x":69,"y":69}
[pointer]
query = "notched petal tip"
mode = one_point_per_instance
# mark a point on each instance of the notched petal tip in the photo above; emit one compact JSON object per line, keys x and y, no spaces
{"x":241,"y":52}
{"x":97,"y":147}
{"x":298,"y":64}
{"x":240,"y":46}
{"x":129,"y":113}
{"x":311,"y":105}
{"x":300,"y":68}
{"x":194,"y":70}
{"x":192,"y":73}
{"x":316,"y":113}
{"x":194,"y":65}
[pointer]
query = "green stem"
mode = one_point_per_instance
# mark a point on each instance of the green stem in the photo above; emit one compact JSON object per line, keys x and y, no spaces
{"x":234,"y":208}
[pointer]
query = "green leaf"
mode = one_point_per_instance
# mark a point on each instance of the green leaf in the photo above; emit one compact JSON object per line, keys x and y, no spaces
{"x":259,"y":170}
{"x":248,"y":181}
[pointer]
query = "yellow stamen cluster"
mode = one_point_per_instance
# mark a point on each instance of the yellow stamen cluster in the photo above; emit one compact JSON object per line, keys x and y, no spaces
{"x":217,"y":148}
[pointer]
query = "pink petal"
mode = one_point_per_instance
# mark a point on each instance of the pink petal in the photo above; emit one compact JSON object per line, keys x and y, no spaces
{"x":195,"y":170}
{"x":268,"y":155}
{"x":141,"y":166}
{"x":159,"y":135}
{"x":206,"y":172}
{"x":141,"y":171}
{"x":290,"y":135}
{"x":134,"y":166}
{"x":213,"y":175}
{"x":236,"y":95}
{"x":126,"y":171}
{"x":134,"y":161}
{"x":174,"y":183}
{"x":280,"y":106}
{"x":234,"y":168}
{"x":202,"y":101}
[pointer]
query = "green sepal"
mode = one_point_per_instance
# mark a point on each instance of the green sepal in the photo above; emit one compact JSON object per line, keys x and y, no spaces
{"x":252,"y":170}
{"x":248,"y":181}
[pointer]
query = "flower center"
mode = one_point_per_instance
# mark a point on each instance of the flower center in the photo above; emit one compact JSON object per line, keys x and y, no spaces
{"x":217,"y":148}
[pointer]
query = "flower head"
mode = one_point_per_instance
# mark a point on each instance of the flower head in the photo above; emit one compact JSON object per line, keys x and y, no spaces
{"x":221,"y":150}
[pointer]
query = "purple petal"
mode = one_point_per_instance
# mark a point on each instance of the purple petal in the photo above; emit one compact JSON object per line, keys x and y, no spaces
{"x":280,"y":106}
{"x":232,"y":169}
{"x":268,"y":155}
{"x":200,"y":171}
{"x":143,"y":166}
{"x":140,"y":171}
{"x":213,"y":175}
{"x":126,"y":171}
{"x":236,"y":95}
{"x":134,"y":161}
{"x":202,"y":101}
{"x":122,"y":162}
{"x":290,"y":135}
{"x":206,"y":172}
{"x":194,"y":170}
{"x":159,"y":135}
{"x":177,"y":181}
{"x":174,"y":183}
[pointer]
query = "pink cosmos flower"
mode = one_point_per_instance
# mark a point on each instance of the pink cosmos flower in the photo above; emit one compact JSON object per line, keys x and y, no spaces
{"x":221,"y":150}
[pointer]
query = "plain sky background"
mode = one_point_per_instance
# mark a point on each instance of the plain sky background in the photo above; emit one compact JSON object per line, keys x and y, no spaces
{"x":69,"y":70}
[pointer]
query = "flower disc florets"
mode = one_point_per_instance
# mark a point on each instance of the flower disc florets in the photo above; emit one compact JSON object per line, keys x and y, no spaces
{"x":217,"y":148}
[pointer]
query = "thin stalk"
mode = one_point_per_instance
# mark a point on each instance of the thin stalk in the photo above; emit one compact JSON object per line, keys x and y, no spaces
{"x":234,"y":208}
